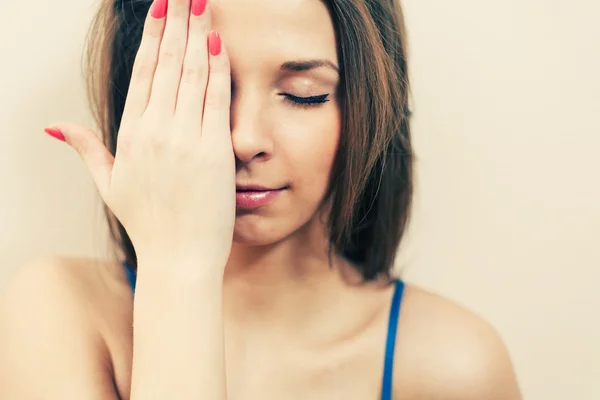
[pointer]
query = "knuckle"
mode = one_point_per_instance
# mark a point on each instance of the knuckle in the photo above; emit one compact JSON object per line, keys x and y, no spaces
{"x":172,"y":49}
{"x":186,"y":153}
{"x":143,"y":72}
{"x":220,"y":77}
{"x":152,"y":31}
{"x":153,"y":135}
{"x":218,"y":95}
{"x":170,"y":56}
{"x":158,"y":142}
{"x":193,"y":74}
{"x":215,"y":99}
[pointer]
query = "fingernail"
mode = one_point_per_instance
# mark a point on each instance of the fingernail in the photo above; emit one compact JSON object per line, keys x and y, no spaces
{"x":198,"y":7}
{"x":214,"y":43}
{"x":159,"y":8}
{"x":55,"y":133}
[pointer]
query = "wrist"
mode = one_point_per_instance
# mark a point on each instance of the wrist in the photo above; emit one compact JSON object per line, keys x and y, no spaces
{"x":180,"y":271}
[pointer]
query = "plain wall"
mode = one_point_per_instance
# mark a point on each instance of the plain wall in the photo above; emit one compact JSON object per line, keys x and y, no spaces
{"x":506,"y":130}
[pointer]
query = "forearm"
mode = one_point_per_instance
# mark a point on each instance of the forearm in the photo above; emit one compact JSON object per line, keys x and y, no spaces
{"x":178,"y":349}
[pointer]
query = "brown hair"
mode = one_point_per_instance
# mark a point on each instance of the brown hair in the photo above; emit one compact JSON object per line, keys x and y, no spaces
{"x":372,"y":177}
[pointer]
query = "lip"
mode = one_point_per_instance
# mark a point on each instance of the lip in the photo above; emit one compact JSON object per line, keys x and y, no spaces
{"x":252,"y":188}
{"x":249,"y":197}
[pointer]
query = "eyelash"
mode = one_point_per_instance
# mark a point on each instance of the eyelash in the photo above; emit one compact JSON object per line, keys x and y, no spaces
{"x":306,"y":102}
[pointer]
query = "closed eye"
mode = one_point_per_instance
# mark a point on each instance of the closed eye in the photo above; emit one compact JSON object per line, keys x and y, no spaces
{"x":306,"y":102}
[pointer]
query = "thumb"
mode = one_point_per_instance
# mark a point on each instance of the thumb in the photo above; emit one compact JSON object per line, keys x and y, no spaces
{"x":91,"y":150}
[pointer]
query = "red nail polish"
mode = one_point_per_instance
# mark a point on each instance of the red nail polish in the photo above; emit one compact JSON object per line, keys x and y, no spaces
{"x":214,"y":43}
{"x":55,"y":133}
{"x":159,"y":8}
{"x":198,"y":7}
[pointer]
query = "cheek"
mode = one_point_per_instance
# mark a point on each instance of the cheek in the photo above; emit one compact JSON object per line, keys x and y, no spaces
{"x":311,"y":150}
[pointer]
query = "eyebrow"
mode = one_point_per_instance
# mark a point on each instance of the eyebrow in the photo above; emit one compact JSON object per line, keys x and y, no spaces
{"x":305,"y":65}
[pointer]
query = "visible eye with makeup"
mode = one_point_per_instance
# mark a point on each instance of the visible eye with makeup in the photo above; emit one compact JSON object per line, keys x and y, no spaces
{"x":311,"y":99}
{"x":300,"y":83}
{"x":305,"y":102}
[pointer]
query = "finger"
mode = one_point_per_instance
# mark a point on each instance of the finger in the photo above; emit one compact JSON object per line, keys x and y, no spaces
{"x":145,"y":63}
{"x":170,"y":59}
{"x":192,"y":87}
{"x":92,"y":151}
{"x":217,"y":102}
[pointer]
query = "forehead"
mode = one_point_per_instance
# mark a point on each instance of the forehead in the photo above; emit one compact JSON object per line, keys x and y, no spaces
{"x":274,"y":29}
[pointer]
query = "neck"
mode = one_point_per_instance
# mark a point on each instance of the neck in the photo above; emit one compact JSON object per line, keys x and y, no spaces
{"x":287,"y":284}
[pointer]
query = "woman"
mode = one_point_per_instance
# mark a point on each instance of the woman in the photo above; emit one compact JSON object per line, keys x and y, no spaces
{"x":258,"y":182}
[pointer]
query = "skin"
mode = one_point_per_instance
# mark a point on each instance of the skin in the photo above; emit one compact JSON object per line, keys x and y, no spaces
{"x":293,"y":328}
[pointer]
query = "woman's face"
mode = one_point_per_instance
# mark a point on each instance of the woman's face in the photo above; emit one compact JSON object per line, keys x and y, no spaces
{"x":278,"y":143}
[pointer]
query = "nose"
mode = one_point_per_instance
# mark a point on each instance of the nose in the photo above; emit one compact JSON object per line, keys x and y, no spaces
{"x":249,"y":134}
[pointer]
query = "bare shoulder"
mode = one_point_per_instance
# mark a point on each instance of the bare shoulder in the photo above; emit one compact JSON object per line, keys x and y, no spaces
{"x":52,"y":327}
{"x":445,"y":351}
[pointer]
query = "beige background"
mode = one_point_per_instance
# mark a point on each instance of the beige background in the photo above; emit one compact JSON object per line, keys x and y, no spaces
{"x":507,"y":130}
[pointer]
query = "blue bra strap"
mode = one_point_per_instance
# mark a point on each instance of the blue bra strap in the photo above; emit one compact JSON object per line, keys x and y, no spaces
{"x":386,"y":390}
{"x":130,"y":275}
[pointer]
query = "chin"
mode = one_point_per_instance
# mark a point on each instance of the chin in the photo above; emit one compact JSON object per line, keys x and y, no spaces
{"x":257,"y":230}
{"x":254,"y":229}
{"x":256,"y":239}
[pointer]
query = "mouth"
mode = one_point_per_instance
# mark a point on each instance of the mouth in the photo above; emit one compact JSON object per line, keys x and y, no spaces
{"x":251,"y":197}
{"x":256,"y":188}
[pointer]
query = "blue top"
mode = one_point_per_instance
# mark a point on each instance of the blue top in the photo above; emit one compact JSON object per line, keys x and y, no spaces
{"x":386,"y":388}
